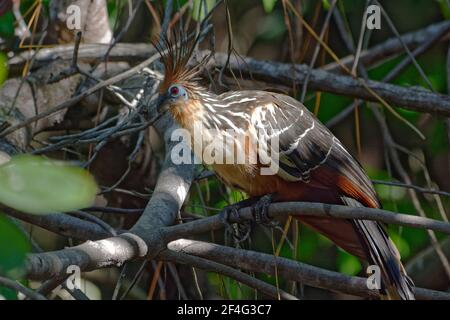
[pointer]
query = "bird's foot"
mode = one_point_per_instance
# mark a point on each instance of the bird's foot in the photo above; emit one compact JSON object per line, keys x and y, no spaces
{"x":231,"y":213}
{"x":238,"y":228}
{"x":260,"y":211}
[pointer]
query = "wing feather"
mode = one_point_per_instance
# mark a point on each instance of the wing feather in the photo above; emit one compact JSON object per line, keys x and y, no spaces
{"x":306,"y":145}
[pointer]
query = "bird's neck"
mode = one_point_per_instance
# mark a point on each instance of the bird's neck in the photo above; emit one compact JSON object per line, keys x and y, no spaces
{"x":187,"y":113}
{"x":191,"y":113}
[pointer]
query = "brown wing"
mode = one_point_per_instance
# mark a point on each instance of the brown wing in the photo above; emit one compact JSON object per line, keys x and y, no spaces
{"x":309,"y":150}
{"x":311,"y":156}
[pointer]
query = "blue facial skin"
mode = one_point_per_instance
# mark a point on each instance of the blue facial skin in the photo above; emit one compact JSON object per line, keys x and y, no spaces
{"x":173,"y":94}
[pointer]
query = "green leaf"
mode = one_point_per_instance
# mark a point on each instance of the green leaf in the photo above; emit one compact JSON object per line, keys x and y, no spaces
{"x":445,"y":10}
{"x":3,"y":68}
{"x":386,"y":192}
{"x":272,"y":27}
{"x":269,"y":5}
{"x":348,"y":264}
{"x":199,"y":11}
{"x":13,"y":248}
{"x":401,"y":244}
{"x":36,"y":185}
{"x":7,"y":25}
{"x":438,"y":143}
{"x":325,"y":5}
{"x":7,"y":294}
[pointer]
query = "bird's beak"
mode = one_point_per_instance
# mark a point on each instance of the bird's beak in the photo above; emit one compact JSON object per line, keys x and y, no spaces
{"x":160,"y":107}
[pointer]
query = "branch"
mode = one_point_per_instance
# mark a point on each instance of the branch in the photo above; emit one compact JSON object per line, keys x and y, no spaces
{"x":16,"y":286}
{"x":288,"y":269}
{"x":62,"y":224}
{"x":299,"y":209}
{"x":145,"y":239}
{"x":72,"y":101}
{"x":428,"y":262}
{"x":87,"y":52}
{"x":413,"y":98}
{"x":117,"y":250}
{"x":416,"y":99}
{"x":88,"y":256}
{"x":207,"y":265}
{"x":134,"y":52}
{"x":393,"y":46}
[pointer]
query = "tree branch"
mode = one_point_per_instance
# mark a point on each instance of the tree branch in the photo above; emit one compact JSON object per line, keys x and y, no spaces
{"x":132,"y":52}
{"x":117,"y":250}
{"x":288,"y":269}
{"x":14,"y":285}
{"x":61,"y":224}
{"x":306,"y":209}
{"x":413,"y":98}
{"x":416,"y":99}
{"x":393,"y":46}
{"x":207,"y":265}
{"x":145,"y":239}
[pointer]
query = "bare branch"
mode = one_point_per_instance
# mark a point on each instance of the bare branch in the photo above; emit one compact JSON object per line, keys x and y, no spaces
{"x":138,"y":52}
{"x":205,"y":264}
{"x":16,"y":286}
{"x":170,"y":192}
{"x":288,"y":269}
{"x":70,"y":102}
{"x":413,"y":98}
{"x":428,"y":262}
{"x":307,"y":209}
{"x":393,"y":46}
{"x":62,"y":224}
{"x":87,"y":52}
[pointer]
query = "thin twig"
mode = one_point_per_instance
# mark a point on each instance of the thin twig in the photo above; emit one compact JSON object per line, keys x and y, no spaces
{"x":16,"y":286}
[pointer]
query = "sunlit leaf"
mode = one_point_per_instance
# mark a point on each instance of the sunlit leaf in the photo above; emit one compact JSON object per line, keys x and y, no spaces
{"x":415,"y":238}
{"x":3,"y":68}
{"x":13,"y":248}
{"x":308,"y":245}
{"x":445,"y":10}
{"x":386,"y":192}
{"x":36,"y":185}
{"x":401,"y":244}
{"x":269,"y":5}
{"x":348,"y":264}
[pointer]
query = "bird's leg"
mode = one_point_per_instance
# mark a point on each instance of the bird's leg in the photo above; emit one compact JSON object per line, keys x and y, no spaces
{"x":259,"y":208}
{"x":231,"y":214}
{"x":260,"y":211}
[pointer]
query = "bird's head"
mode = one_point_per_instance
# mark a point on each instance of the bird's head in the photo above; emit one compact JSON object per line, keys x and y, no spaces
{"x":174,"y":97}
{"x":179,"y":88}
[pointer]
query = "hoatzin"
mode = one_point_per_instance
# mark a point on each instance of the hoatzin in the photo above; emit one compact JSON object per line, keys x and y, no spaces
{"x":313,"y":166}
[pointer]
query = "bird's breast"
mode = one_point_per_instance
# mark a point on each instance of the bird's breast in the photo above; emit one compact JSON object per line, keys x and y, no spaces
{"x":249,"y":179}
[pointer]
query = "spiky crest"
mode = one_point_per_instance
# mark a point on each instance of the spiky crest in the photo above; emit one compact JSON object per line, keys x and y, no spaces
{"x":175,"y":54}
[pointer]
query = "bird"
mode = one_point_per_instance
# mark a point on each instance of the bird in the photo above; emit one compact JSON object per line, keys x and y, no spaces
{"x":313,"y":165}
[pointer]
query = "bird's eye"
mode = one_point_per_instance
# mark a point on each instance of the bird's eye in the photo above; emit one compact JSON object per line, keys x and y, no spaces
{"x":174,"y":91}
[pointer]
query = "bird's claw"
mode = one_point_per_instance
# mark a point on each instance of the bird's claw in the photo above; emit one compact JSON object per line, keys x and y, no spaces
{"x":240,"y":231}
{"x":231,"y":213}
{"x":260,"y":211}
{"x":239,"y":228}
